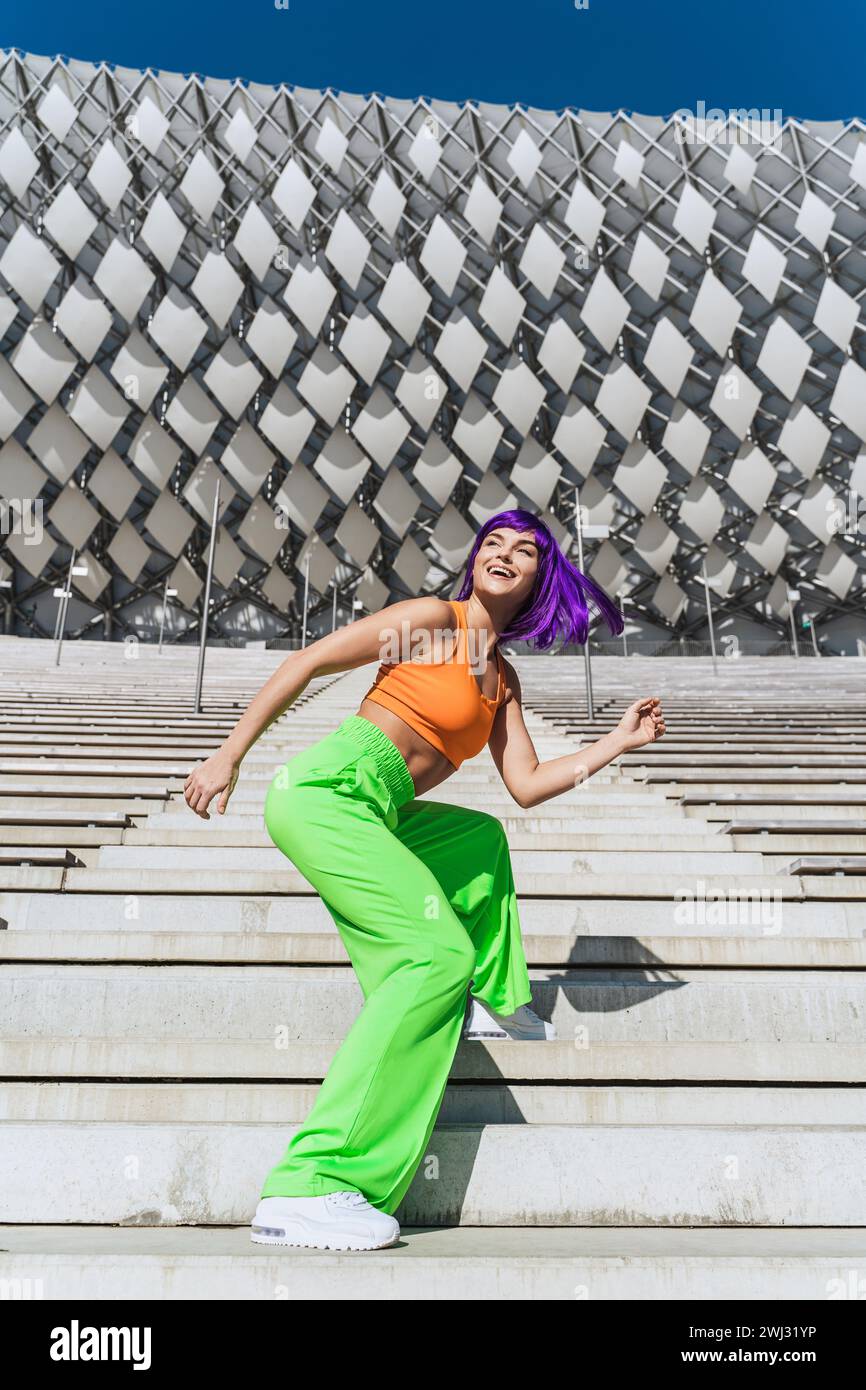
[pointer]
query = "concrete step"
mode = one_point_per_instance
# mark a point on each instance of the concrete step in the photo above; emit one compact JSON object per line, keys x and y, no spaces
{"x":577,"y":931}
{"x":54,"y":789}
{"x":57,"y":835}
{"x":796,"y":826}
{"x":751,"y":779}
{"x":716,"y":819}
{"x":28,"y":853}
{"x":89,"y":748}
{"x":80,"y":732}
{"x":790,"y":745}
{"x":26,"y":806}
{"x":659,"y":757}
{"x":782,"y":848}
{"x":32,"y":879}
{"x":770,"y":1063}
{"x":311,"y":948}
{"x":455,"y":788}
{"x":50,"y":819}
{"x":728,"y":890}
{"x":523,"y":835}
{"x":269,"y":1006}
{"x":539,"y":855}
{"x":92,"y":767}
{"x":652,"y":1263}
{"x":471,"y":1175}
{"x":848,"y":864}
{"x":635,"y":819}
{"x":307,"y":948}
{"x":490,"y":1102}
{"x":631,"y":820}
{"x":566,"y":920}
{"x":206,"y":858}
{"x":832,"y":804}
{"x":494,"y":800}
{"x":259,"y":760}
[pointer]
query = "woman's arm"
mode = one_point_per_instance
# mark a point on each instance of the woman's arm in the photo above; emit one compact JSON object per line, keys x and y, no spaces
{"x":376,"y":637}
{"x":529,"y":781}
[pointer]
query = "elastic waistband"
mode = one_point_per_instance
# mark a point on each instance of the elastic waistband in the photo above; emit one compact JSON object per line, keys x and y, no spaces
{"x":389,"y":760}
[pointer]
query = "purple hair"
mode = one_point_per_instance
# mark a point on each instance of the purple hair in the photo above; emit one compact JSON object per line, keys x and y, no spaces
{"x":559,"y":604}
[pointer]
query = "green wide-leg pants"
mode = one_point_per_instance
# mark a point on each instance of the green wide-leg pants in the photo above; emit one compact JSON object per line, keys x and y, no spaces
{"x":423,"y":897}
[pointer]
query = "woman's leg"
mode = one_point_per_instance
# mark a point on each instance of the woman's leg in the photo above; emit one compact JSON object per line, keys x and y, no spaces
{"x":467,"y":853}
{"x":374,"y":1112}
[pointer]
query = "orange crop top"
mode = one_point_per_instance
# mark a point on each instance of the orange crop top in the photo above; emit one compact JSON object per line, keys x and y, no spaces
{"x":440,"y":699}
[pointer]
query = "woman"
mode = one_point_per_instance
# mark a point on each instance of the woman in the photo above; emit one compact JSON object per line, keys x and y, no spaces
{"x":421,"y":892}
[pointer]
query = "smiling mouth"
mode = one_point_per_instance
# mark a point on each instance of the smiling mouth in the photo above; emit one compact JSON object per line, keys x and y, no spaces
{"x":501,"y":571}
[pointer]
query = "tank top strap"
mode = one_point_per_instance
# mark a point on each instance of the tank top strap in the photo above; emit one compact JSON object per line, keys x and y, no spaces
{"x":460,"y":650}
{"x":461,"y":618}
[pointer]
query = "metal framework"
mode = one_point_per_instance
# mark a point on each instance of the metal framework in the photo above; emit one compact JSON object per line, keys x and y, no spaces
{"x":380,"y":321}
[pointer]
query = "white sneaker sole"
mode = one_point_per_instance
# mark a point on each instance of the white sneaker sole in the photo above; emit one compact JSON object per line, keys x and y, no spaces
{"x":502,"y":1037}
{"x":299,"y":1234}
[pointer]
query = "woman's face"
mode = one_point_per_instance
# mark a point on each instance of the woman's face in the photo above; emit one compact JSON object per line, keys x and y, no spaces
{"x":506,"y":566}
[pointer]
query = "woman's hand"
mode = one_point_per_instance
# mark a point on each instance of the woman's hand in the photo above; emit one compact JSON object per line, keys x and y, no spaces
{"x":218,"y":773}
{"x":643,"y":722}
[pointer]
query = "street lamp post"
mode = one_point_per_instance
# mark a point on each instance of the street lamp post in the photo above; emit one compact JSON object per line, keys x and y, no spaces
{"x":793,"y":595}
{"x":7,"y":607}
{"x":64,"y":595}
{"x":306,"y":597}
{"x":60,"y":594}
{"x":622,"y":597}
{"x":587,"y":665}
{"x":206,"y":614}
{"x":709,"y":615}
{"x":165,"y":593}
{"x":594,"y":532}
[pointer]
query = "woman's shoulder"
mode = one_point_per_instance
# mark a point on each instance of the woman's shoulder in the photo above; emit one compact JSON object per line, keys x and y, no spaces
{"x":427,"y":611}
{"x":439,"y":609}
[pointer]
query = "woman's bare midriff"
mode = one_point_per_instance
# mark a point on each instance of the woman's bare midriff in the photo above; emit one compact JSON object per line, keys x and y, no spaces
{"x":427,"y":766}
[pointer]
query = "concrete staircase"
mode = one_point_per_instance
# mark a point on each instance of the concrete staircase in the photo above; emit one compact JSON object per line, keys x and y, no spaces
{"x":695,"y":924}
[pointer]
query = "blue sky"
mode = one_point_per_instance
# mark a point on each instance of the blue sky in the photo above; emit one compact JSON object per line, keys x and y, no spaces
{"x":803,"y":59}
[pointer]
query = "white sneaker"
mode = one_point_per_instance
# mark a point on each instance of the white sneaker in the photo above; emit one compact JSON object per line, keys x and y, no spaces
{"x":336,"y":1221}
{"x":523,"y":1025}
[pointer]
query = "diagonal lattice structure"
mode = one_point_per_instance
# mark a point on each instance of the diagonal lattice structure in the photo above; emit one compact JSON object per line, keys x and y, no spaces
{"x":380,"y":321}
